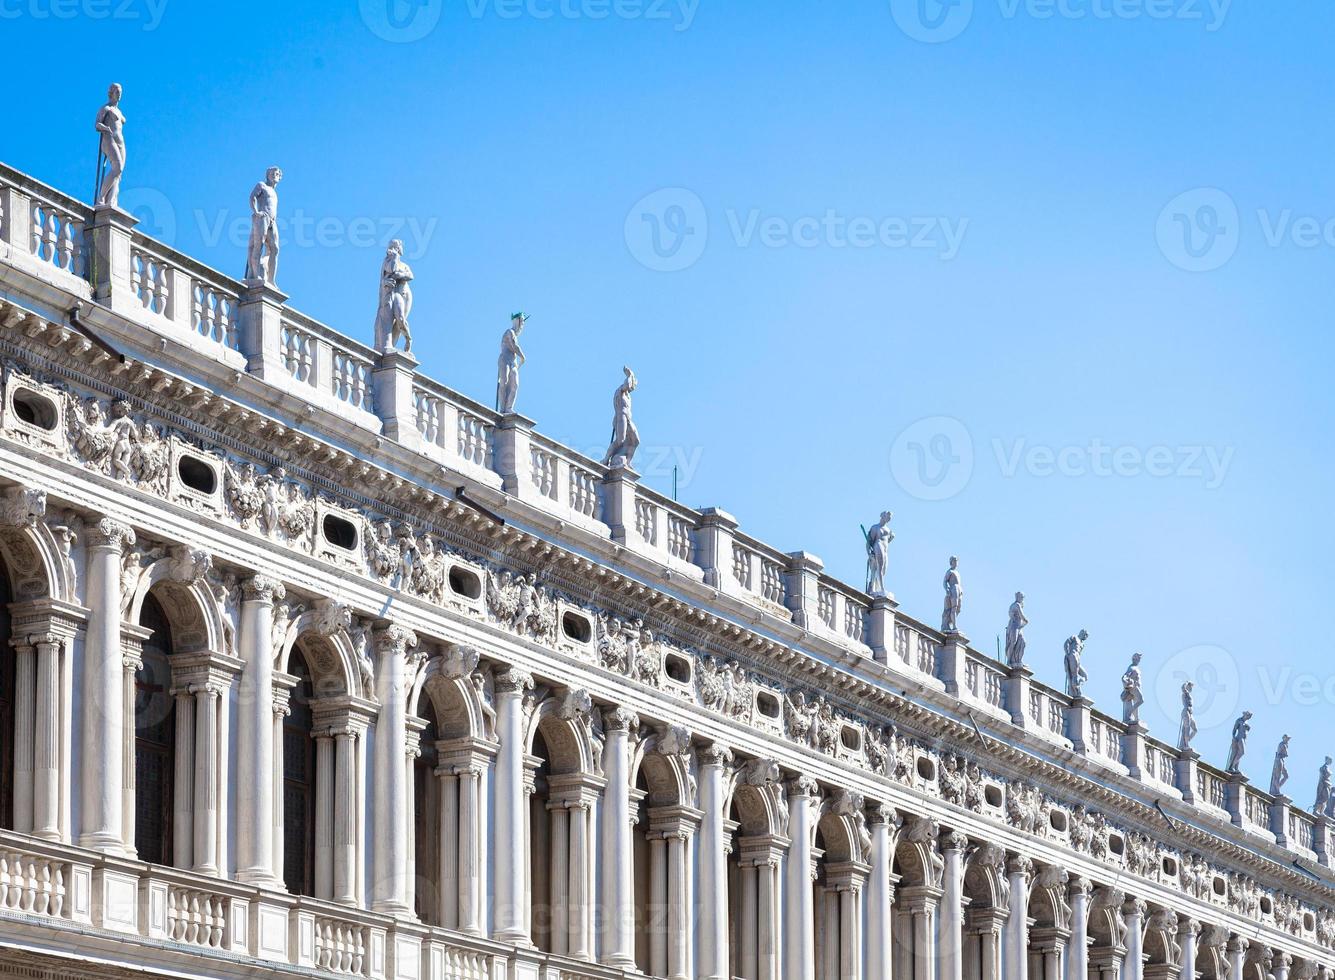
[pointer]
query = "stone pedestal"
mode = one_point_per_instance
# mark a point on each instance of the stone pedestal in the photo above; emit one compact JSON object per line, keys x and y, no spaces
{"x":1235,"y":798}
{"x":392,"y":381}
{"x":802,"y":588}
{"x":1185,"y":771}
{"x":619,"y":502}
{"x":713,"y":548}
{"x":881,"y":627}
{"x":512,"y":455}
{"x":109,"y":247}
{"x":1018,"y":681}
{"x":1321,"y":841}
{"x":1077,"y":724}
{"x":260,"y":314}
{"x":951,"y":660}
{"x":1279,"y":819}
{"x":1133,"y":750}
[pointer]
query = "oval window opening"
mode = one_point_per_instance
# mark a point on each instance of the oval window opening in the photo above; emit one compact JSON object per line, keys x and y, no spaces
{"x":576,"y":627}
{"x":1116,"y":844}
{"x":339,"y":533}
{"x":926,"y":768}
{"x":1170,"y":867}
{"x":1220,"y":888}
{"x":35,"y":409}
{"x":992,"y":795}
{"x":678,"y":668}
{"x":465,"y":583}
{"x":768,"y":705}
{"x":197,"y":474}
{"x":851,"y":737}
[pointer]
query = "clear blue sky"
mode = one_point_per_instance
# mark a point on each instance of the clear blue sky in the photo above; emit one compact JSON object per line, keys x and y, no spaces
{"x":782,"y":359}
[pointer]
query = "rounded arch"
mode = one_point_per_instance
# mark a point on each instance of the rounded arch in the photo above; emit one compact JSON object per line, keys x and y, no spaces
{"x":917,"y":860}
{"x":842,"y":832}
{"x":757,"y":801}
{"x":331,"y":656}
{"x":37,"y":560}
{"x":190,"y":606}
{"x":985,"y":881}
{"x":664,"y":768}
{"x":458,"y":706}
{"x":563,"y":723}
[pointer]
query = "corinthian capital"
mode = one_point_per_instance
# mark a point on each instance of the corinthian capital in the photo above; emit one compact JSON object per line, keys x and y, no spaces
{"x":511,"y":680}
{"x":804,"y":787}
{"x":22,"y":506}
{"x":108,"y":533}
{"x":261,"y":588}
{"x":619,"y":719}
{"x":713,"y":754}
{"x":394,"y":640}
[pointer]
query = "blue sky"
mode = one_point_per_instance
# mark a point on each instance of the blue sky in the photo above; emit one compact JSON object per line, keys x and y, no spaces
{"x":1063,"y":265}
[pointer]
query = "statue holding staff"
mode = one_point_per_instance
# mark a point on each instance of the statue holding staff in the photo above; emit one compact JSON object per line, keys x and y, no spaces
{"x":264,"y":229}
{"x":507,"y":368}
{"x":110,"y":123}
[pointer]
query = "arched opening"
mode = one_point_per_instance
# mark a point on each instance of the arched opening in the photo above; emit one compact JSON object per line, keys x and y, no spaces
{"x":544,"y":919}
{"x":299,"y":781}
{"x":8,"y":699}
{"x":987,"y":911}
{"x":920,"y":866}
{"x":154,"y":738}
{"x":426,"y":823}
{"x":753,"y":880}
{"x":1050,"y":914}
{"x":843,"y":848}
{"x":647,"y":923}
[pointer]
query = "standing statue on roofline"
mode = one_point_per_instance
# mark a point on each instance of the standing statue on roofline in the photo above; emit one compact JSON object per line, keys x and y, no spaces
{"x":1241,"y":729}
{"x":1279,"y":775}
{"x":625,"y":437}
{"x":110,"y":123}
{"x":1015,"y":625}
{"x":1075,"y":672}
{"x":507,"y":369}
{"x":1132,"y":695}
{"x":396,"y":302}
{"x":264,"y":229}
{"x":950,"y":612}
{"x":878,"y":553}
{"x":1187,"y":731}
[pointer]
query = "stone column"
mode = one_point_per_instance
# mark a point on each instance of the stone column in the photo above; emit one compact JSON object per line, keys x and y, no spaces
{"x":767,"y":919}
{"x":131,"y":661}
{"x":951,"y":936}
{"x":885,"y":827}
{"x":799,"y":915}
{"x":581,"y":919}
{"x":469,"y":863}
{"x":1237,"y":957}
{"x":451,"y":845}
{"x":206,"y":780}
{"x":1281,"y":965}
{"x":712,"y":900}
{"x":748,"y":927}
{"x":324,"y":814}
{"x":656,"y":925}
{"x":920,"y":904}
{"x":344,"y":872}
{"x":255,"y":733}
{"x":46,"y":794}
{"x":1188,"y":933}
{"x":390,"y":894}
{"x":678,"y":905}
{"x":1133,"y":914}
{"x":279,"y":709}
{"x":511,"y":884}
{"x":1020,"y":871}
{"x":25,"y":695}
{"x":104,"y":691}
{"x":1077,"y":956}
{"x":984,"y":928}
{"x":184,"y":778}
{"x":618,"y":898}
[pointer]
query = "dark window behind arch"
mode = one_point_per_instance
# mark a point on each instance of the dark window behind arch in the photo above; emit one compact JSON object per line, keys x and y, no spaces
{"x":426,"y":820}
{"x":154,"y":739}
{"x":299,"y":784}
{"x":7,"y":733}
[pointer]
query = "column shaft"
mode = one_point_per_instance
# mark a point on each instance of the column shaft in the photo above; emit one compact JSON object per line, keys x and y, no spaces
{"x":677,"y":908}
{"x":748,"y":925}
{"x":324,"y":816}
{"x":618,"y":896}
{"x":345,"y":821}
{"x":46,"y":816}
{"x":104,"y":694}
{"x":183,"y":790}
{"x":713,"y":896}
{"x":799,"y":922}
{"x":469,"y":833}
{"x":26,"y":695}
{"x":511,"y":851}
{"x":256,"y":760}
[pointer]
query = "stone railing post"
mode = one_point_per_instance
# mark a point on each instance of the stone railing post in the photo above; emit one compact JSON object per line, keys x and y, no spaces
{"x":1235,"y":798}
{"x":109,"y":242}
{"x":1184,"y":771}
{"x":260,"y":336}
{"x":881,"y":627}
{"x":952,"y":660}
{"x":392,"y":381}
{"x":16,"y":220}
{"x":1279,"y":819}
{"x":713,"y":548}
{"x":1019,"y":680}
{"x":512,"y":455}
{"x":618,"y":500}
{"x":1078,"y":724}
{"x":1133,"y":749}
{"x":802,"y":588}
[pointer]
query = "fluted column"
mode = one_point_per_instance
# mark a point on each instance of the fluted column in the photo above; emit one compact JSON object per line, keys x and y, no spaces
{"x":577,"y":893}
{"x":1020,"y":871}
{"x":346,"y":753}
{"x":325,"y":779}
{"x":799,"y":914}
{"x":511,"y":885}
{"x":767,"y":918}
{"x":950,"y":938}
{"x":618,"y":898}
{"x":46,"y":794}
{"x":183,"y":780}
{"x":469,"y":864}
{"x":206,"y":780}
{"x":1133,"y":913}
{"x":713,"y":897}
{"x":885,"y":828}
{"x":1077,"y":954}
{"x":131,"y":661}
{"x":920,"y":905}
{"x":390,"y":892}
{"x":25,"y":695}
{"x":255,"y":734}
{"x":104,"y":691}
{"x":678,"y":904}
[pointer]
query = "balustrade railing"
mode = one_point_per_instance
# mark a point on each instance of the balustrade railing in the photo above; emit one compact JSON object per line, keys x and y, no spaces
{"x":196,"y":918}
{"x":213,"y":312}
{"x":474,"y":434}
{"x":58,"y":237}
{"x":32,"y":883}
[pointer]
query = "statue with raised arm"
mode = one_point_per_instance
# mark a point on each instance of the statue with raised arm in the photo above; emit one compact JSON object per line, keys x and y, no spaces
{"x":1075,"y":672}
{"x":878,"y":553}
{"x":1241,"y":729}
{"x":507,"y":368}
{"x":1015,"y":624}
{"x":625,"y":437}
{"x":264,"y":229}
{"x":396,"y":301}
{"x":1324,"y":798}
{"x":1279,"y":775}
{"x":950,"y":613}
{"x":110,"y":123}
{"x":1187,"y":730}
{"x":1132,"y":696}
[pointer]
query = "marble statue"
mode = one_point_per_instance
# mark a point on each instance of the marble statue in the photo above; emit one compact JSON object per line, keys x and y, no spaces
{"x":1132,"y":696}
{"x":1241,"y":729}
{"x":950,"y":613}
{"x":625,"y":437}
{"x":878,"y":553}
{"x":396,"y":301}
{"x":1075,"y":673}
{"x":507,"y":368}
{"x":110,"y":123}
{"x":1324,"y":798}
{"x":1187,"y":731}
{"x":264,"y":229}
{"x":1015,"y":625}
{"x":1279,"y":775}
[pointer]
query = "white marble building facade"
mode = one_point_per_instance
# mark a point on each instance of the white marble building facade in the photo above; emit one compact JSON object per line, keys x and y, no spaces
{"x":317,"y":667}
